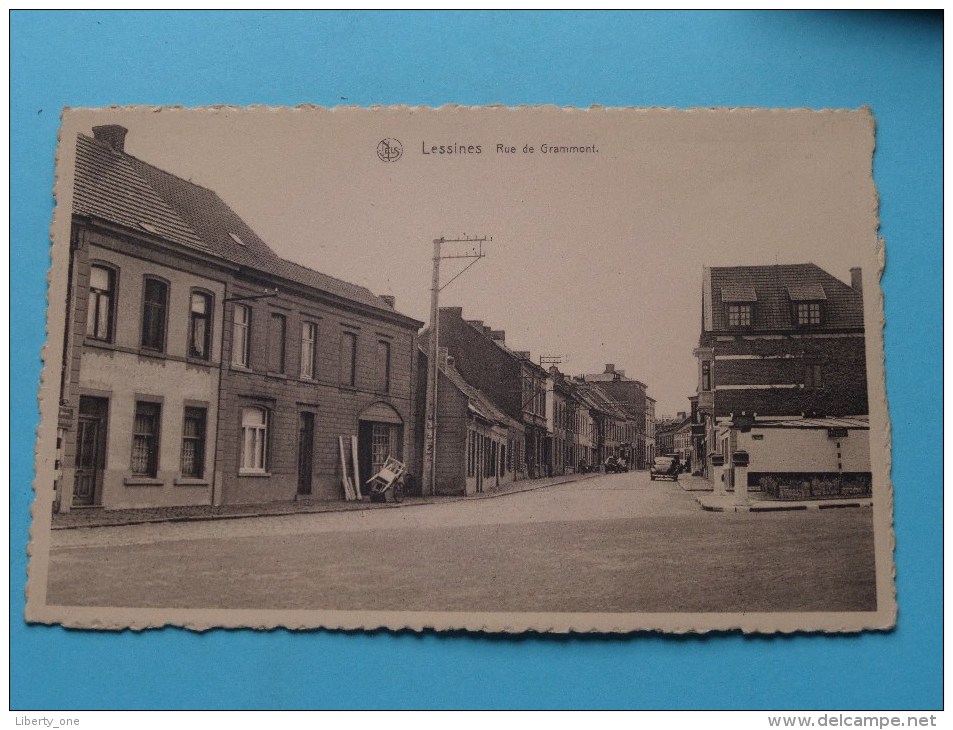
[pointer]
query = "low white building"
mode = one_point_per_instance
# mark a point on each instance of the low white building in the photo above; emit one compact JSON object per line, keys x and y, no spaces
{"x":804,"y":457}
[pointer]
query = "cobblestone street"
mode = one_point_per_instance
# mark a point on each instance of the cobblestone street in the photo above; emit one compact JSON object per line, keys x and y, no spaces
{"x":608,"y":543}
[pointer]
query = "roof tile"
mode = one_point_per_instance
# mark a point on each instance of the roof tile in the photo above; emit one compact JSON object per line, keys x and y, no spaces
{"x":773,"y":285}
{"x":129,"y":192}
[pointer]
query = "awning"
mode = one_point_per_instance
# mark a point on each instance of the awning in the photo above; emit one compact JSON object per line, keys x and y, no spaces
{"x":738,"y":293}
{"x":807,"y":293}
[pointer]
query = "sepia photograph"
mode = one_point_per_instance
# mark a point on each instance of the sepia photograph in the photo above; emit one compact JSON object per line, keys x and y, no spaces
{"x":464,"y":368}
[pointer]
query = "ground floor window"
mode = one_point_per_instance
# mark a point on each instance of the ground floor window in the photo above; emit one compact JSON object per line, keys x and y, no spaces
{"x":254,"y":441}
{"x":193,"y":443}
{"x":145,"y":439}
{"x":471,"y":453}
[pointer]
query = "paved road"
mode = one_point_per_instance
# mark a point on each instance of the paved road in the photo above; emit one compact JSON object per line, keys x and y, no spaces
{"x":609,"y":543}
{"x":604,"y":497}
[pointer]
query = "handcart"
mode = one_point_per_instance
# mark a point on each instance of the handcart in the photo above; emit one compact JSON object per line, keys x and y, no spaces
{"x":389,"y":480}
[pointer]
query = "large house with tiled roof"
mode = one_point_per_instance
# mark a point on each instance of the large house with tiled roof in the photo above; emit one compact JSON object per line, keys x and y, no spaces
{"x":509,"y":378}
{"x":782,"y":376}
{"x":478,"y":445}
{"x":630,"y":395}
{"x":202,"y":368}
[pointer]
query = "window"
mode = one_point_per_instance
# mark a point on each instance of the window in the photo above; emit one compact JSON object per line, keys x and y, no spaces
{"x":706,"y":375}
{"x":200,"y":321}
{"x":254,"y":441}
{"x":193,"y":443}
{"x":276,"y":352}
{"x":309,"y":349}
{"x":154,"y":303}
{"x":145,"y":439}
{"x":808,"y":313}
{"x":813,"y":376}
{"x":241,"y":335}
{"x":739,"y":315}
{"x":348,"y":358}
{"x":102,"y":292}
{"x":471,"y":453}
{"x":383,"y":366}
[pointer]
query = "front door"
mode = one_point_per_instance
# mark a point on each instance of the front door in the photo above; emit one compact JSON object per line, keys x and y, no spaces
{"x":305,"y":452}
{"x":90,"y":450}
{"x":380,"y":446}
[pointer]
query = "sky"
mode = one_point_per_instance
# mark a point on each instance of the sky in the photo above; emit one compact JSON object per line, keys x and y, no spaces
{"x":596,"y":257}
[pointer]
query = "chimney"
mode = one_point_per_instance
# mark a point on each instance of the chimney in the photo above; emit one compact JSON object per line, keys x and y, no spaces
{"x":389,"y":299}
{"x":112,"y":135}
{"x":856,"y":280}
{"x":610,"y":368}
{"x":498,"y":335}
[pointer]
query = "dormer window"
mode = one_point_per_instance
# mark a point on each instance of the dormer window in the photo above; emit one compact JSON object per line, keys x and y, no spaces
{"x":808,"y":313}
{"x":739,"y":315}
{"x":739,"y":302}
{"x":807,"y":304}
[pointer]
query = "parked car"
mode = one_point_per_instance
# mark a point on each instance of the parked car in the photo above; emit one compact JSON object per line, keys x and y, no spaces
{"x":664,"y":467}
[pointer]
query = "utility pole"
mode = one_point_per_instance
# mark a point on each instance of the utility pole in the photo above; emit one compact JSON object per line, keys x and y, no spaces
{"x":429,"y":482}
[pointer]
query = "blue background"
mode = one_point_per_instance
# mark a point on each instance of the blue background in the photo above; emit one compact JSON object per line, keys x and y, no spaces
{"x":891,"y":61}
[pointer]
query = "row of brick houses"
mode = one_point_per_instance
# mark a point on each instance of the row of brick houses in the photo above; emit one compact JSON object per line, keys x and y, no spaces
{"x":200,"y":367}
{"x":502,"y":417}
{"x":782,"y":377}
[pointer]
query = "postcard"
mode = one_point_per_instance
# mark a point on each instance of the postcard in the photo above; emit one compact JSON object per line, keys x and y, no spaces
{"x":469,"y":368}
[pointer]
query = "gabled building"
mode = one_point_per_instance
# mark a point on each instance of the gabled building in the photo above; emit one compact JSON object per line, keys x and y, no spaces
{"x":614,"y":426}
{"x":563,"y":424}
{"x":782,"y":374}
{"x":199,"y":366}
{"x":478,"y":445}
{"x":587,"y":415}
{"x":629,"y":394}
{"x":509,"y":378}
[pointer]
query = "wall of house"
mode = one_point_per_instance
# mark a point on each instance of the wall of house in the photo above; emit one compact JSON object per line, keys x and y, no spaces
{"x":123,"y":373}
{"x":804,"y":450}
{"x":335,"y":403}
{"x":632,"y":393}
{"x":783,"y":361}
{"x":482,"y":363}
{"x":452,"y":420}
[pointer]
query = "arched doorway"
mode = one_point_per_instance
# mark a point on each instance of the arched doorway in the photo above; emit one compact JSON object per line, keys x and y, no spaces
{"x":380,"y":434}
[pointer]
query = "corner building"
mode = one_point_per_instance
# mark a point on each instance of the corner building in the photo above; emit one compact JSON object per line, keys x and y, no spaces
{"x":199,"y":367}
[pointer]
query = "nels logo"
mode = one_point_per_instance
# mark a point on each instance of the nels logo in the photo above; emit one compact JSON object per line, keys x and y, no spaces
{"x":390,"y":150}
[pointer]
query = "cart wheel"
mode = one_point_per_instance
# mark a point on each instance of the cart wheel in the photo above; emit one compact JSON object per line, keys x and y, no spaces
{"x":399,"y":491}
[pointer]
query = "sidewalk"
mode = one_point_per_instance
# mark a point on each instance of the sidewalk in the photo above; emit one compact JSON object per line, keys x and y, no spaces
{"x":77,"y":518}
{"x":708,"y":500}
